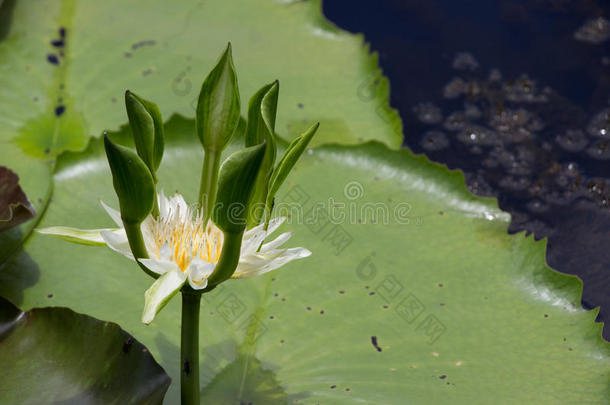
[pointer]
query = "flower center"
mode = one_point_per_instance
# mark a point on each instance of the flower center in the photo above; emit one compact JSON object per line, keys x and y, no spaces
{"x":182,"y":237}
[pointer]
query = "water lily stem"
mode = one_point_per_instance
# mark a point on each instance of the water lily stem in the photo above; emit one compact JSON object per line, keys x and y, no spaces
{"x":209,"y":182}
{"x":189,"y":348}
{"x":136,"y":243}
{"x":135,"y":238}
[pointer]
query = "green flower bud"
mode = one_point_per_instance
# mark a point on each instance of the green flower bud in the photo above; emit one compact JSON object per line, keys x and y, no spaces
{"x":235,"y":186}
{"x":262,"y":110}
{"x":132,"y":181}
{"x":218,"y":108}
{"x":217,"y":118}
{"x":147,"y":128}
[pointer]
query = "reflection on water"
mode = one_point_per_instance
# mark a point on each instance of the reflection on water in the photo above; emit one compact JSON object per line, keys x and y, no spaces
{"x":596,"y":30}
{"x":517,"y":94}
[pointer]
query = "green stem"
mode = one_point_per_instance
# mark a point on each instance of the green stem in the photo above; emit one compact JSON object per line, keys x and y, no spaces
{"x":136,"y":243}
{"x":189,"y":348}
{"x":209,"y":182}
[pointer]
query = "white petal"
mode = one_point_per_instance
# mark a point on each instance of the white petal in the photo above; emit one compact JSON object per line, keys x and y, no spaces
{"x":83,"y":236}
{"x":148,"y":234}
{"x":165,"y":252}
{"x":277,"y":242}
{"x":164,"y":288}
{"x":259,"y":263}
{"x":179,"y":206}
{"x":251,"y":232}
{"x":114,"y":214}
{"x":198,"y":273}
{"x":252,"y":240}
{"x":274,"y":224}
{"x":118,"y":242}
{"x":159,"y":266}
{"x":163,"y":205}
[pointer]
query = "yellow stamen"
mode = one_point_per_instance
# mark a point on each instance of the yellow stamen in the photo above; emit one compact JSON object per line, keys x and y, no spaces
{"x":187,"y":238}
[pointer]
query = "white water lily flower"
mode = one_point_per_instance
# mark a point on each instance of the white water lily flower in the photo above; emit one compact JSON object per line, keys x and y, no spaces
{"x":180,"y":249}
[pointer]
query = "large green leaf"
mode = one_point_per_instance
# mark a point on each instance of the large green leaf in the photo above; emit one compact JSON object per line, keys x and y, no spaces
{"x":54,"y":355}
{"x":65,"y":65}
{"x":436,"y":304}
{"x":163,"y":52}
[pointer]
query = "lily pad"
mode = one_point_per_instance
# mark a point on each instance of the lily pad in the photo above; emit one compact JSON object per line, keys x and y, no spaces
{"x":54,"y":355}
{"x":414,"y":291}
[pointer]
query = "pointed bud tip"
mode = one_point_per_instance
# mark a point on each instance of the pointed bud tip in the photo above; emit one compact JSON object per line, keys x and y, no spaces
{"x":131,"y":96}
{"x":228,"y":53}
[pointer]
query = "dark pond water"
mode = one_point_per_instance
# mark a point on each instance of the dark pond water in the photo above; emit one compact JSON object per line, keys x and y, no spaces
{"x":516,"y":93}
